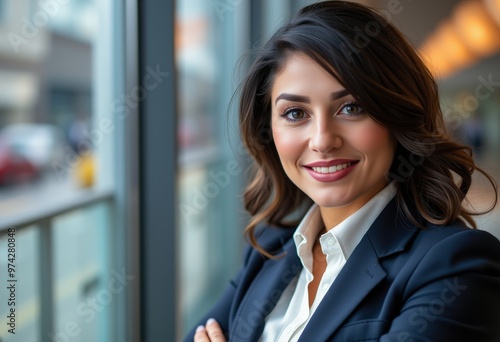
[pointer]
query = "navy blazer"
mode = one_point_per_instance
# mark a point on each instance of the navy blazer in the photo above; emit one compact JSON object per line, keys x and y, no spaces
{"x":400,"y":284}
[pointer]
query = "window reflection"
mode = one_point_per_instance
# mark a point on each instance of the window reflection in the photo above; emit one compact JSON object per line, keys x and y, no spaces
{"x":210,"y":220}
{"x":83,"y":293}
{"x":46,"y":56}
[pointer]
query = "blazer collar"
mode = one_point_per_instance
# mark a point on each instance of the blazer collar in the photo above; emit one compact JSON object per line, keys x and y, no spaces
{"x":361,"y":273}
{"x":391,"y":231}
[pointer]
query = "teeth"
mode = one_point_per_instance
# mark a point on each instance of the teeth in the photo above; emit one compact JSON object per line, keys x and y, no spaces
{"x":331,"y":169}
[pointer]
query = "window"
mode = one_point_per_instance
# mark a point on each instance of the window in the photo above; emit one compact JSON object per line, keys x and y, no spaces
{"x":61,"y":112}
{"x":212,"y":164}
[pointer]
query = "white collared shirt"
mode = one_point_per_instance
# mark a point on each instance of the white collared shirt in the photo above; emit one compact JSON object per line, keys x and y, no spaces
{"x":292,"y":313}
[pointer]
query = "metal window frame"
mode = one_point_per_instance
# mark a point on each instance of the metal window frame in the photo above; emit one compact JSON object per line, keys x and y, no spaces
{"x":127,"y":253}
{"x":158,"y":174}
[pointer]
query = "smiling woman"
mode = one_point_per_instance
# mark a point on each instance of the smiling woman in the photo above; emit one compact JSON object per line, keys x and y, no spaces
{"x":329,"y":147}
{"x":358,"y":140}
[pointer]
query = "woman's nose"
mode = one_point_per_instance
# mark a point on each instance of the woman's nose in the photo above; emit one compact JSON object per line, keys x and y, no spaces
{"x":325,"y":137}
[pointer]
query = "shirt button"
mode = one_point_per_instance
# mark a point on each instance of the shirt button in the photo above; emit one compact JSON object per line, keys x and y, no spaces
{"x":331,"y":242}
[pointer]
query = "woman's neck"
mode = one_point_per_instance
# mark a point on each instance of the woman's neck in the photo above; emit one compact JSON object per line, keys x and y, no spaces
{"x":332,"y":216}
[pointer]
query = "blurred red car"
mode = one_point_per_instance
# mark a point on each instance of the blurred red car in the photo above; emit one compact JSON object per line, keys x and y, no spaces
{"x":15,"y":168}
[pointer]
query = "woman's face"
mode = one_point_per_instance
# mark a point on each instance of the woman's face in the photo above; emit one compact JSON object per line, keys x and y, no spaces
{"x":328,"y":145}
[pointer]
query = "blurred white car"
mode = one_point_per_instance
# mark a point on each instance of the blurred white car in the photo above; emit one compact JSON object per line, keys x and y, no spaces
{"x":38,"y":143}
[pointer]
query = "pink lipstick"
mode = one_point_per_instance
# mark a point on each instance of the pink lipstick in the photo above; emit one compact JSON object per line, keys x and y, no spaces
{"x":330,"y":171}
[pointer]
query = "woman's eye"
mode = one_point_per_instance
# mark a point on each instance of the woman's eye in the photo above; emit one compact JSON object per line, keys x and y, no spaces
{"x":294,"y":114}
{"x":351,"y":109}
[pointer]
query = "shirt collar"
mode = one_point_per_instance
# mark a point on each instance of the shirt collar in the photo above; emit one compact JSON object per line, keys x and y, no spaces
{"x":306,"y":233}
{"x":348,"y":233}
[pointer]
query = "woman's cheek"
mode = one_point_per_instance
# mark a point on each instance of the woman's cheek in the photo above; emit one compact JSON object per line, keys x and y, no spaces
{"x":372,"y":137}
{"x":285,"y":142}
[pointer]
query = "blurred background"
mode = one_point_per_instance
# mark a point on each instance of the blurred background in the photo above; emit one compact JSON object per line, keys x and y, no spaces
{"x":121,"y":169}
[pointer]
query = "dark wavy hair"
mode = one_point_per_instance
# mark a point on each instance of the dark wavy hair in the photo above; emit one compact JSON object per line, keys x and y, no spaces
{"x":373,"y":60}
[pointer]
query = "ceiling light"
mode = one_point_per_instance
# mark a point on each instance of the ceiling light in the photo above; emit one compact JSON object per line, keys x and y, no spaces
{"x":493,"y":7}
{"x":476,"y":27}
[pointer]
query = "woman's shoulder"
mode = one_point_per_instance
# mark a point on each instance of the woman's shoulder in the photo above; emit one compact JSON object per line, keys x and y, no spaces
{"x":445,"y":247}
{"x":457,"y":231}
{"x":457,"y":248}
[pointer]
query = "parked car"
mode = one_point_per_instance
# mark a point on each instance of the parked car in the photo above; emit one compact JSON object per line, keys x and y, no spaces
{"x":28,"y":150}
{"x":39,"y":143}
{"x":15,"y":168}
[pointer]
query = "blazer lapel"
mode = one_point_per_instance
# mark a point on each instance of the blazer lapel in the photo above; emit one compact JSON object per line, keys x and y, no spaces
{"x":361,"y":273}
{"x":264,"y":293}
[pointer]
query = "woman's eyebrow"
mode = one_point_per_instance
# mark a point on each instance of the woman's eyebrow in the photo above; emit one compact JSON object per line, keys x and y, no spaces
{"x":339,"y":94}
{"x":293,"y":98}
{"x":299,"y":98}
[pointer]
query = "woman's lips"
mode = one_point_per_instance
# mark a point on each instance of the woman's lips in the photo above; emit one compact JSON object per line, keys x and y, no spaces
{"x":328,"y":163}
{"x":330,"y":173}
{"x":331,"y":169}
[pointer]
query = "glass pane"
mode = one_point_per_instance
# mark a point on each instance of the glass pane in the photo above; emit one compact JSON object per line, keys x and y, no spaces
{"x":85,"y":284}
{"x":60,"y":93}
{"x":51,"y":132}
{"x":2,"y":10}
{"x":19,"y":289}
{"x":211,"y":163}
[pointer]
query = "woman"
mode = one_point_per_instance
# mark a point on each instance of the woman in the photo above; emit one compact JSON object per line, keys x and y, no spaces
{"x":383,"y":252}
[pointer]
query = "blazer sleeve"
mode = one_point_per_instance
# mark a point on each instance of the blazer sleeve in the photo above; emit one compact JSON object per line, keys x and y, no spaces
{"x":453,"y":293}
{"x":220,"y":311}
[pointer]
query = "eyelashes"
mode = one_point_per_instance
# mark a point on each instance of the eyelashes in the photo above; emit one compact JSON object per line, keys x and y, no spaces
{"x":351,"y":105}
{"x":296,"y":114}
{"x":293,"y":114}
